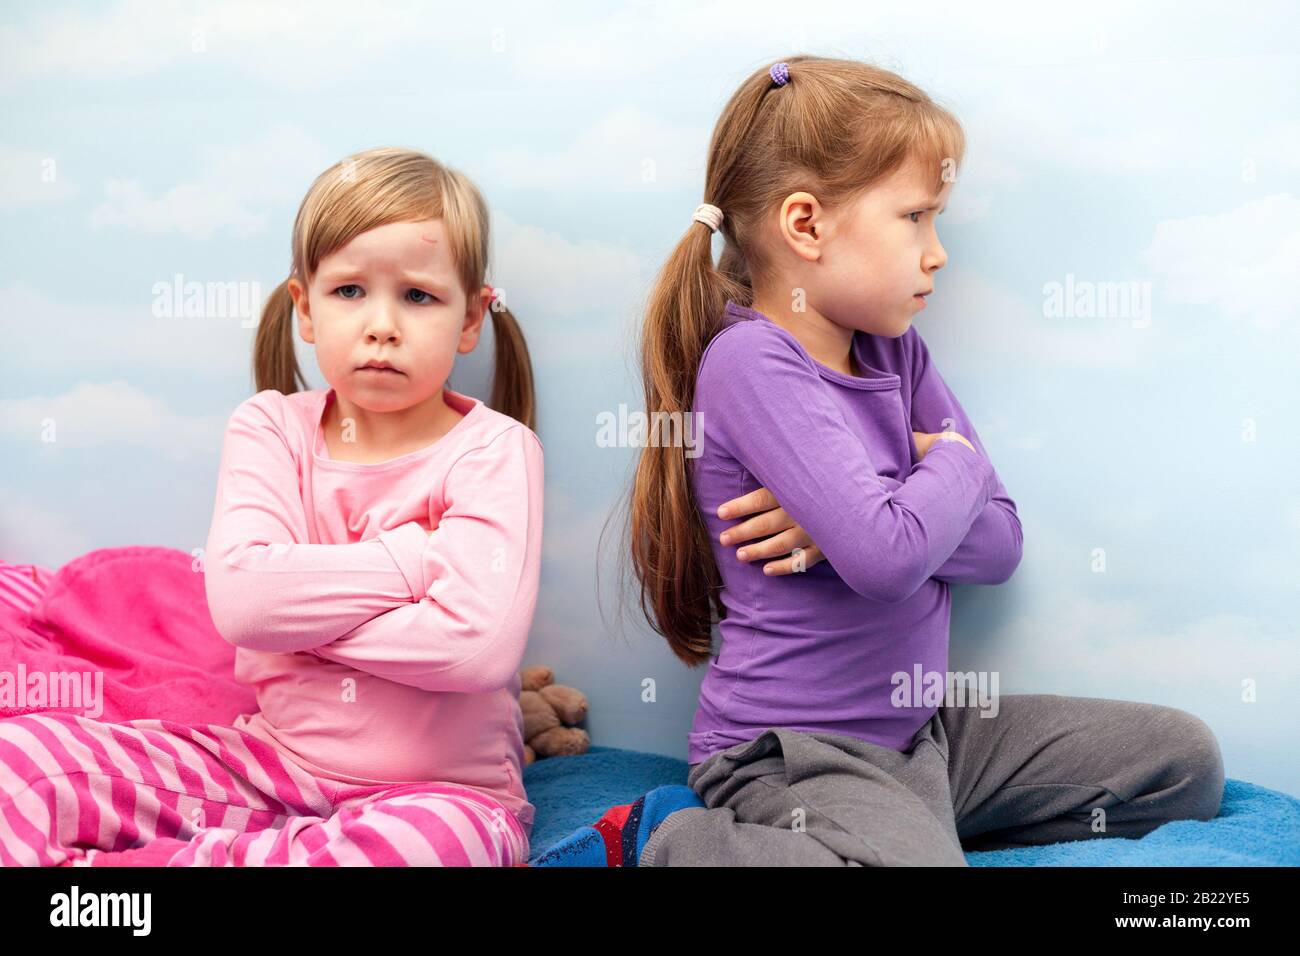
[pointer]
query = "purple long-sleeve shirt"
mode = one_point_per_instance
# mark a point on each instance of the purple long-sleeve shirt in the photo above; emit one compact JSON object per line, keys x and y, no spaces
{"x":816,"y":650}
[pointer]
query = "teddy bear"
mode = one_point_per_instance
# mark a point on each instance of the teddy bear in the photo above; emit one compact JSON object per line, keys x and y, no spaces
{"x":550,"y":712}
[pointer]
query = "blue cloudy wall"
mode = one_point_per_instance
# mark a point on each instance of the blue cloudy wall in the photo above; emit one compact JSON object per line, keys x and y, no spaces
{"x":1148,"y":441}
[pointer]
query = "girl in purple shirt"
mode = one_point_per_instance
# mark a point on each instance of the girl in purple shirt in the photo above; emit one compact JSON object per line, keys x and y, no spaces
{"x":826,"y":731}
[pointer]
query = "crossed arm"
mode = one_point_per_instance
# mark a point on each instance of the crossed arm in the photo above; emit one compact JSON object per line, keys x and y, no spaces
{"x":443,"y":610}
{"x":988,"y":553}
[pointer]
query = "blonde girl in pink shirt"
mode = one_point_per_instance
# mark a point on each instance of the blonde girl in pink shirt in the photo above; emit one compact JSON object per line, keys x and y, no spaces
{"x":373,"y":556}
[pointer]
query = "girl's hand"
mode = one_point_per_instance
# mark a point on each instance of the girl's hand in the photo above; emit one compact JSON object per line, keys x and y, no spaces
{"x":924,"y":441}
{"x":771,"y":519}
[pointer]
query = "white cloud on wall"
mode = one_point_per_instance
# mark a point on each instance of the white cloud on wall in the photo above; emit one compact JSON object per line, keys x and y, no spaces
{"x":989,"y":322}
{"x":233,"y":191}
{"x":109,"y":414}
{"x":31,"y":533}
{"x":626,"y":149}
{"x":573,"y":293}
{"x":1081,"y":645}
{"x":32,"y":176}
{"x":94,"y":338}
{"x":295,"y":42}
{"x":1242,"y":262}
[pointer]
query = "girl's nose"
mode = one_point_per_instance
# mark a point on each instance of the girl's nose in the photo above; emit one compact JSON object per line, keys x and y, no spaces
{"x":935,"y":257}
{"x":381,"y":324}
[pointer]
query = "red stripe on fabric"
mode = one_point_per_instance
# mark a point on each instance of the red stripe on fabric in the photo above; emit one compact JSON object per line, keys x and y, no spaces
{"x":612,"y":834}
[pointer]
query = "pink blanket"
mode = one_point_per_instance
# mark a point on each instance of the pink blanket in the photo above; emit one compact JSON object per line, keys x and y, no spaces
{"x":135,"y":621}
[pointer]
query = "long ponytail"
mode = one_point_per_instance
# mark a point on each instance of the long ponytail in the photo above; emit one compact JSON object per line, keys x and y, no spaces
{"x":512,"y":374}
{"x":680,"y":587}
{"x":275,"y":364}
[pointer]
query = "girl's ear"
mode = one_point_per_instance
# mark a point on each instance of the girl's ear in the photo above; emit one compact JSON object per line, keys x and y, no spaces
{"x":475,"y":312}
{"x":298,"y":292}
{"x":801,"y":224}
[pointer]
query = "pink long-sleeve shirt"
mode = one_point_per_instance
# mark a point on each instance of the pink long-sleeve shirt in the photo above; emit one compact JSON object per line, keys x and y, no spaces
{"x":381,"y":653}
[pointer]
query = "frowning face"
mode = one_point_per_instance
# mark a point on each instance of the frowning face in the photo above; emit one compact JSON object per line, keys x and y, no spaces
{"x":882,"y":252}
{"x":391,"y":295}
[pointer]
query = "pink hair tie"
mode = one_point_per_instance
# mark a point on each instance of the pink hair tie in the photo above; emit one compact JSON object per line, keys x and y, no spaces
{"x":780,"y":73}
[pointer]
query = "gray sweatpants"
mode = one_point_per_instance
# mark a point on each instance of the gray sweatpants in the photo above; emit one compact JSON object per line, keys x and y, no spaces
{"x":1045,"y":769}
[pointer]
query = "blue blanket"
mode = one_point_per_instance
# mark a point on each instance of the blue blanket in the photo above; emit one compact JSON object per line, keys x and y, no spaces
{"x":1255,"y":827}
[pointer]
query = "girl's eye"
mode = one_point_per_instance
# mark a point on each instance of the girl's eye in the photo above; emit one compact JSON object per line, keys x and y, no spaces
{"x":918,"y":213}
{"x":427,"y":297}
{"x":339,"y":291}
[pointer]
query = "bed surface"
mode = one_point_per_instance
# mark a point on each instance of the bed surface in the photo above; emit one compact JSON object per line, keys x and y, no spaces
{"x":1255,"y":827}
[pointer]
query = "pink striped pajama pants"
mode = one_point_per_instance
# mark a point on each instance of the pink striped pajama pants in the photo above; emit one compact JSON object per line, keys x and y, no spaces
{"x":81,"y":792}
{"x":21,"y":585}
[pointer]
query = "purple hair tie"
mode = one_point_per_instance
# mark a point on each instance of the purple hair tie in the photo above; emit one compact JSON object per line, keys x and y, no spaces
{"x":780,"y":74}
